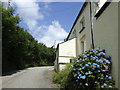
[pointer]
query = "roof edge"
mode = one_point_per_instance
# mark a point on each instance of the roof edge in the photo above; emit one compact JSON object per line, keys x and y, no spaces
{"x":80,"y":12}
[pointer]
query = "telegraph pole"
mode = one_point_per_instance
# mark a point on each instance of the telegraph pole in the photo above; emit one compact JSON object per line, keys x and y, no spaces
{"x":8,"y":4}
{"x":54,"y":44}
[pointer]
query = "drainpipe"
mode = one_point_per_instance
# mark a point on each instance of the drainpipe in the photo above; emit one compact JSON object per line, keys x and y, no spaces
{"x":91,"y":22}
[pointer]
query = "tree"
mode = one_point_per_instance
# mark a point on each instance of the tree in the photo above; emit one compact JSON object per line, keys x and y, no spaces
{"x":19,"y":48}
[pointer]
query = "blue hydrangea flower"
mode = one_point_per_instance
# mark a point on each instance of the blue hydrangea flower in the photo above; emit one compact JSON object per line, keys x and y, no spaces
{"x":108,"y":57}
{"x":80,"y":59}
{"x":110,"y":86}
{"x":86,"y":84}
{"x":106,"y":75}
{"x":89,"y":63}
{"x":99,"y":54}
{"x":110,"y":77}
{"x":80,"y":83}
{"x":91,"y":56}
{"x":103,"y":53}
{"x":74,"y":69}
{"x":83,"y":67}
{"x":89,"y":72}
{"x":105,"y":84}
{"x":72,"y":65}
{"x":86,"y":73}
{"x":78,"y":77}
{"x":83,"y":77}
{"x":105,"y":70}
{"x":85,"y":56}
{"x":97,"y":60}
{"x":79,"y":69}
{"x":98,"y":66}
{"x":86,"y":65}
{"x":93,"y":68}
{"x":95,"y":64}
{"x":94,"y":58}
{"x":98,"y":70}
{"x":93,"y":50}
{"x":78,"y":73}
{"x":107,"y":61}
{"x":101,"y":61}
{"x":77,"y":60}
{"x":102,"y":50}
{"x":76,"y":80}
{"x":102,"y":86}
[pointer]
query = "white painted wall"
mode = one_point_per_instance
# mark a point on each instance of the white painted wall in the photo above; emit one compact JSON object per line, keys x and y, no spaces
{"x":65,"y":52}
{"x":68,"y":48}
{"x":106,"y":35}
{"x":105,"y":30}
{"x":62,"y":66}
{"x":86,"y":33}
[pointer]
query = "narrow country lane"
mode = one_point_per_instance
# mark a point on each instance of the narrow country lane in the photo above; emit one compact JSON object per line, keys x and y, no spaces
{"x":37,"y":77}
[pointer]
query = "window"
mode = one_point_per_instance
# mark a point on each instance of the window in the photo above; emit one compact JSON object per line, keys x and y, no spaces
{"x":99,"y":4}
{"x":102,"y":7}
{"x":74,"y":33}
{"x":82,"y":23}
{"x":82,"y":46}
{"x":96,"y":6}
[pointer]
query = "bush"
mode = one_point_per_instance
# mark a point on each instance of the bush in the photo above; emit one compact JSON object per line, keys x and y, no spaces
{"x":62,"y":76}
{"x":91,"y":69}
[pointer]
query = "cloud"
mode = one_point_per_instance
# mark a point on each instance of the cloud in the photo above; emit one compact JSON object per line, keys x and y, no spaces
{"x":51,"y":34}
{"x":32,"y":16}
{"x":29,"y":11}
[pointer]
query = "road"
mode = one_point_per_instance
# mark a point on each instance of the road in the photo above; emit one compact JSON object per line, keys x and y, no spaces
{"x":37,"y":77}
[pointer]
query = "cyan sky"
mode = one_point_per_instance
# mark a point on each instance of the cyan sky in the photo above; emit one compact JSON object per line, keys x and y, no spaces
{"x":64,"y":12}
{"x":48,"y":22}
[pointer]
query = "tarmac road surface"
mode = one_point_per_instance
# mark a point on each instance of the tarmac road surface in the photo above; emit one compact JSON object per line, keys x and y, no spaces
{"x":36,"y":77}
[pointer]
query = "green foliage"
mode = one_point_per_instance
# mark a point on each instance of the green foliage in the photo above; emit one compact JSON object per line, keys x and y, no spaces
{"x":19,"y":48}
{"x":91,"y":69}
{"x":62,"y":76}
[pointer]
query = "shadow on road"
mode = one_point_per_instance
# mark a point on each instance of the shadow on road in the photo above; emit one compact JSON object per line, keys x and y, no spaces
{"x":11,"y":72}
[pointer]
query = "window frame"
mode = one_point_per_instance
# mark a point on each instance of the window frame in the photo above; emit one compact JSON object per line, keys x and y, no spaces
{"x":82,"y":24}
{"x":74,"y":33}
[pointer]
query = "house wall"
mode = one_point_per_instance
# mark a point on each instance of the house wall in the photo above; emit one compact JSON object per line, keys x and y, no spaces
{"x":67,"y":51}
{"x":86,"y":33}
{"x":118,"y":45}
{"x":68,"y":48}
{"x":105,"y":32}
{"x":106,"y":35}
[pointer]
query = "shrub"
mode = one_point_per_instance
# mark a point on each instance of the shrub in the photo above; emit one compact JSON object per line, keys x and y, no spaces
{"x":62,"y":77}
{"x":91,"y":69}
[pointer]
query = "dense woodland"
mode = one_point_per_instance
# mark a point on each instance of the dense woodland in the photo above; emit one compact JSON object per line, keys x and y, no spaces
{"x":19,"y":49}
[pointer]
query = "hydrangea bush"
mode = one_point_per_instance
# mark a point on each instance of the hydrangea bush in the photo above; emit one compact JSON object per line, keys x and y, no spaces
{"x":91,"y":69}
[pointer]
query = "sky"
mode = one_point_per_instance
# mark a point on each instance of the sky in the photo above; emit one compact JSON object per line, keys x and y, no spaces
{"x":48,"y":22}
